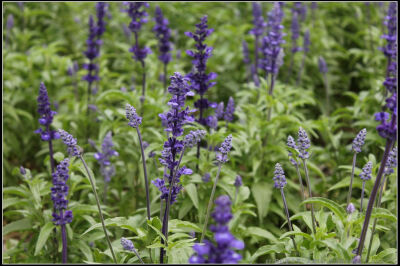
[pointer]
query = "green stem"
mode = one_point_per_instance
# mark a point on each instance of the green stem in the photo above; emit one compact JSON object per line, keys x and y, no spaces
{"x":98,"y":206}
{"x":288,"y":218}
{"x":301,"y":183}
{"x":210,"y":203}
{"x":310,"y":195}
{"x":351,"y":180}
{"x":362,"y":197}
{"x":137,"y":255}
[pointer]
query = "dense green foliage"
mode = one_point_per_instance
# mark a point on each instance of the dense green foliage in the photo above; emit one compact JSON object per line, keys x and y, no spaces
{"x":47,"y":37}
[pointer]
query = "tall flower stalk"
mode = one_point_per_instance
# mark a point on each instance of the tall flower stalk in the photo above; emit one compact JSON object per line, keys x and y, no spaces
{"x":222,"y":158}
{"x":199,"y":79}
{"x":163,"y":34}
{"x":271,"y":48}
{"x":221,"y":251}
{"x":280,"y":182}
{"x":303,"y":144}
{"x":74,"y":150}
{"x":388,"y":127}
{"x":59,"y":193}
{"x":135,"y":121}
{"x":358,"y":142}
{"x":138,"y":16}
{"x":173,"y":121}
{"x":391,"y":163}
{"x":365,"y":176}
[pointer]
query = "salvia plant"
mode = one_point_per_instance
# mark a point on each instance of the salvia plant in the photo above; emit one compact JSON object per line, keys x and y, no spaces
{"x":241,"y":200}
{"x":221,"y":251}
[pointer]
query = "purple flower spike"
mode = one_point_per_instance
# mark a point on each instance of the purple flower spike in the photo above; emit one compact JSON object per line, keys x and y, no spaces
{"x":127,"y":244}
{"x":366,"y":172}
{"x":219,"y":111}
{"x":291,"y":144}
{"x":391,"y":162}
{"x":303,"y":143}
{"x":350,"y":208}
{"x":134,"y":119}
{"x":295,"y":27}
{"x":238,"y":181}
{"x":230,"y":109}
{"x":10,"y":21}
{"x":106,"y":168}
{"x":358,"y":142}
{"x":59,"y":194}
{"x":22,"y":170}
{"x":194,"y":137}
{"x":322,"y":65}
{"x":163,"y":34}
{"x":206,"y":177}
{"x":199,"y":79}
{"x":225,"y":148}
{"x":258,"y":20}
{"x":306,"y":41}
{"x":225,"y":242}
{"x":271,"y":44}
{"x":246,"y":54}
{"x":72,"y":146}
{"x":46,"y":115}
{"x":279,"y":177}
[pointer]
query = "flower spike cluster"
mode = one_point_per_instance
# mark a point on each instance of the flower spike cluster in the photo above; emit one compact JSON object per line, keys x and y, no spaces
{"x":163,"y":34}
{"x":279,"y":177}
{"x":366,"y":172}
{"x":221,"y":251}
{"x":291,"y":144}
{"x":303,"y":143}
{"x":46,"y":115}
{"x":72,"y":147}
{"x":173,"y":121}
{"x":127,"y":244}
{"x":238,"y":181}
{"x":199,"y":79}
{"x":271,"y":45}
{"x":230,"y":109}
{"x":59,"y":193}
{"x":391,"y":162}
{"x":358,"y":142}
{"x":194,"y":137}
{"x":134,"y":119}
{"x":103,"y":157}
{"x":225,"y":148}
{"x":350,"y":208}
{"x":323,"y":68}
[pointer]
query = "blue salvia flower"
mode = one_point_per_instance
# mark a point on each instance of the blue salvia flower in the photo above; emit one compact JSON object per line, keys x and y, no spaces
{"x":306,"y":41}
{"x":72,"y":147}
{"x":173,"y":121}
{"x":391,"y":162}
{"x":194,"y":137}
{"x":303,"y":143}
{"x":101,"y":10}
{"x":350,"y":208}
{"x":199,"y":79}
{"x":230,"y":109}
{"x":206,"y":177}
{"x":138,"y":16}
{"x":258,"y":20}
{"x":238,"y":181}
{"x":358,"y":142}
{"x":225,"y":148}
{"x":103,"y":157}
{"x":219,"y":111}
{"x":134,"y":119}
{"x":92,"y":53}
{"x":295,"y":27}
{"x":22,"y":170}
{"x":271,"y":45}
{"x":59,"y":194}
{"x":163,"y":34}
{"x":279,"y":177}
{"x":246,"y":53}
{"x":46,"y":115}
{"x":291,"y":144}
{"x":366,"y":172}
{"x":323,"y":68}
{"x":225,"y":242}
{"x":127,"y":244}
{"x":301,"y":9}
{"x":10,"y":21}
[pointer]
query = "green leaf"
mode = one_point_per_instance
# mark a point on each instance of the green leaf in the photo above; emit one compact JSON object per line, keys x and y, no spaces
{"x":112,"y":95}
{"x":256,"y":231}
{"x":20,"y":225}
{"x":290,"y":233}
{"x":45,"y":232}
{"x":262,"y":195}
{"x":12,"y":201}
{"x":117,"y":221}
{"x":85,"y":250}
{"x":277,"y":248}
{"x":192,"y":191}
{"x":333,"y":206}
{"x":292,"y":260}
{"x":383,"y":213}
{"x":176,"y":225}
{"x":382,"y":256}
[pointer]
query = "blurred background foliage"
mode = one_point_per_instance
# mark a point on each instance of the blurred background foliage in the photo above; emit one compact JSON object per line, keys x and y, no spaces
{"x":47,"y":38}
